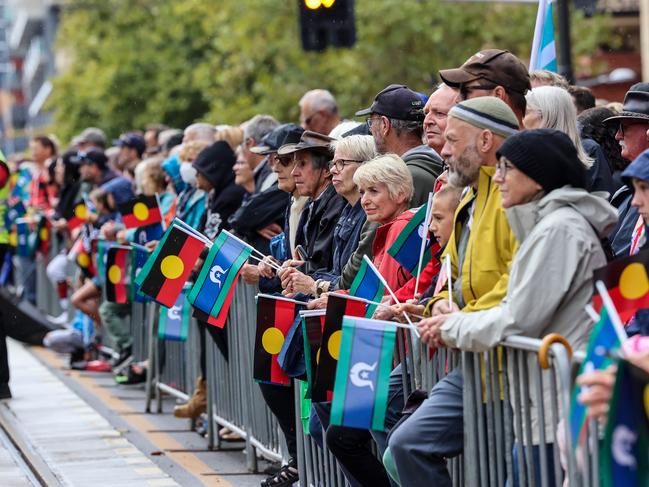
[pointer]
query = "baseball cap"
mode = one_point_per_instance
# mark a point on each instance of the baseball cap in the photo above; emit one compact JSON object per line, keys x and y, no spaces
{"x":93,"y":156}
{"x":91,"y":135}
{"x":132,"y":140}
{"x":500,"y":67}
{"x":398,"y":102}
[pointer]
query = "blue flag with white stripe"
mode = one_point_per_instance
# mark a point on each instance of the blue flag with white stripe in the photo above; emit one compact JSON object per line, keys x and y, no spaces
{"x":544,"y":52}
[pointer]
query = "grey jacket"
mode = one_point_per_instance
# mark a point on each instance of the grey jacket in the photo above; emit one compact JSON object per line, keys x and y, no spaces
{"x":551,"y":277}
{"x":425,"y":165}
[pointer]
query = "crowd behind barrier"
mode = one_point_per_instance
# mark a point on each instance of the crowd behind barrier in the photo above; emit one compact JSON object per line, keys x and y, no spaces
{"x":393,"y":303}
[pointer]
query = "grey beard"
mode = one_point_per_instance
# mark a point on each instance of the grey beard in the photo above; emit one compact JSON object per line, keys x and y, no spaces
{"x":458,"y":179}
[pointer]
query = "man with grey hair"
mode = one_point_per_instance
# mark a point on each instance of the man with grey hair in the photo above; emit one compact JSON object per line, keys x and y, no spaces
{"x":254,"y":131}
{"x":436,"y":115}
{"x":319,"y":111}
{"x":90,"y":138}
{"x":395,"y":121}
{"x":199,"y":131}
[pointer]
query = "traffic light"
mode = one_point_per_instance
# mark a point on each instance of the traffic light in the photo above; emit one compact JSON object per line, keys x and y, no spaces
{"x":326,"y":23}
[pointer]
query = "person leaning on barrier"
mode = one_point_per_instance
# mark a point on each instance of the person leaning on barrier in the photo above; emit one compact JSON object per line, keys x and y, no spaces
{"x":421,"y":444}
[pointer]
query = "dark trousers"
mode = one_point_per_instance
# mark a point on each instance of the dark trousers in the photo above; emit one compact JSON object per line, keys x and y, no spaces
{"x":281,"y":401}
{"x":352,"y":449}
{"x":219,"y":337}
{"x":421,"y":444}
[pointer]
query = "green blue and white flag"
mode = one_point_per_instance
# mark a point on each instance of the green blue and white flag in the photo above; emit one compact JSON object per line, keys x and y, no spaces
{"x":625,"y":452}
{"x":406,"y":249}
{"x":367,"y":286}
{"x":544,"y":52}
{"x":174,"y":321}
{"x":360,"y":397}
{"x":218,"y":274}
{"x":603,"y":339}
{"x":23,"y":248}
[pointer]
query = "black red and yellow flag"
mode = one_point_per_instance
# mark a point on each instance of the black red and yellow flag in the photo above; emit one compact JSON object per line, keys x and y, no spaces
{"x":140,"y":211}
{"x":166,"y":270}
{"x":116,"y":259}
{"x":338,"y":305}
{"x":77,"y":216}
{"x":43,"y":235}
{"x":83,"y":258}
{"x":275,"y":315}
{"x":312,"y":327}
{"x":627,"y":282}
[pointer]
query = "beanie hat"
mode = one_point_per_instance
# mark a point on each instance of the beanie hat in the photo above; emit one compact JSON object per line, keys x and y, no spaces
{"x":487,"y":112}
{"x":548,"y":156}
{"x":215,"y":162}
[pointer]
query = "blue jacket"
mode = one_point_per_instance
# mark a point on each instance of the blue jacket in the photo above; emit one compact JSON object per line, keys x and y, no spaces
{"x":191,"y":206}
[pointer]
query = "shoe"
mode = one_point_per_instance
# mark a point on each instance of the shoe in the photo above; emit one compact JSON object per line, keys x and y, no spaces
{"x":197,"y":403}
{"x":60,"y":320}
{"x":123,"y":360}
{"x":132,"y":375}
{"x":286,"y":476}
{"x":98,"y":366}
{"x":5,"y":392}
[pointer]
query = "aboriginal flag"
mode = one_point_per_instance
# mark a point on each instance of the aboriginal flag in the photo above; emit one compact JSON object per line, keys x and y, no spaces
{"x":116,"y":291}
{"x":81,"y":255}
{"x":43,"y":233}
{"x":77,"y":215}
{"x":627,"y":282}
{"x":312,"y":327}
{"x":338,"y":305}
{"x":140,"y":211}
{"x":275,"y":316}
{"x":166,"y":270}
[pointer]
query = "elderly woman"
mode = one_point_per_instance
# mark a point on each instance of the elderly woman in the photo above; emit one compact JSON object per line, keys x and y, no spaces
{"x":559,"y":225}
{"x":552,"y":107}
{"x":349,"y":154}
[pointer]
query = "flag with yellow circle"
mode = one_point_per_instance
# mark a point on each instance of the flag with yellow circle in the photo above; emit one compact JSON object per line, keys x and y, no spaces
{"x":338,"y":306}
{"x":76,"y":215}
{"x":627,"y":281}
{"x":116,"y":275}
{"x":166,"y":270}
{"x":275,"y":315}
{"x":313,"y":321}
{"x":140,"y":211}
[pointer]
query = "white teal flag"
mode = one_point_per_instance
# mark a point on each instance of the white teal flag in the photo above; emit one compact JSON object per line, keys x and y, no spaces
{"x":544,"y":52}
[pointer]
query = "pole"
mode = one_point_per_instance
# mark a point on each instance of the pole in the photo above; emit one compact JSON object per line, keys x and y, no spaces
{"x":644,"y":38}
{"x":565,"y":44}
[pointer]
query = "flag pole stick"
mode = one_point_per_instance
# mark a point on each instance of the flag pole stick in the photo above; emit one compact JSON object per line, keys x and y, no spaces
{"x":379,"y":304}
{"x":280,"y":298}
{"x":422,"y":247}
{"x":271,"y":264}
{"x":140,"y":247}
{"x":378,"y":274}
{"x":447,"y":263}
{"x":162,"y":221}
{"x":612,"y":311}
{"x":592,"y":313}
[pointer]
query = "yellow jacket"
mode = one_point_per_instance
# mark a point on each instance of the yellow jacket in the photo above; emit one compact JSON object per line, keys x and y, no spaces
{"x":490,"y":248}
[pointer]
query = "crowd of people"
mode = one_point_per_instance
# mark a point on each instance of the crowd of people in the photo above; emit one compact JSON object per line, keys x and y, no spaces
{"x":534,"y":188}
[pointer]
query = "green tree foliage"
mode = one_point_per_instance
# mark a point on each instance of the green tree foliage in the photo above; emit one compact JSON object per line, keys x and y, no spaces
{"x":131,"y":62}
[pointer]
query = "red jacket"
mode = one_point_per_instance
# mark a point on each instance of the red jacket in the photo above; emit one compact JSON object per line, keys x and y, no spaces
{"x":395,"y":275}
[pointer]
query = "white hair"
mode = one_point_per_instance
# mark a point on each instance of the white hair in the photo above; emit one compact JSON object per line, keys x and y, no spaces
{"x":358,"y":147}
{"x":258,"y":126}
{"x":319,"y":99}
{"x":390,"y":170}
{"x":558,"y":112}
{"x":201,"y":131}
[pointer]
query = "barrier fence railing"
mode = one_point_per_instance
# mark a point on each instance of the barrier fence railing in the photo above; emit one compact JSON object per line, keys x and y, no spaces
{"x":513,"y":402}
{"x":234,"y":399}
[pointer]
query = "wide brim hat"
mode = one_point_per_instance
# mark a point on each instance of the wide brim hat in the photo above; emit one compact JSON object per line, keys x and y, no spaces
{"x":312,"y":141}
{"x":636,"y":105}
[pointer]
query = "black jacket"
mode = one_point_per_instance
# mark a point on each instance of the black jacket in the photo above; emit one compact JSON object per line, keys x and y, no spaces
{"x":319,"y":220}
{"x":259,"y":211}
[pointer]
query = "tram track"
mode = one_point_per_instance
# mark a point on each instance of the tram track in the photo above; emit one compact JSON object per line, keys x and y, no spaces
{"x":23,"y":453}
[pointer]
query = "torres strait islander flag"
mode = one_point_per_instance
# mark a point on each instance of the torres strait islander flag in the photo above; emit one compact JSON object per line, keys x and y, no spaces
{"x":363,"y":374}
{"x":139,"y":256}
{"x":407,"y":247}
{"x":627,"y":282}
{"x":116,"y":259}
{"x":174,"y":321}
{"x":367,"y":285}
{"x":140,"y":211}
{"x":338,"y":305}
{"x":275,"y":315}
{"x":218,"y":275}
{"x":166,"y":270}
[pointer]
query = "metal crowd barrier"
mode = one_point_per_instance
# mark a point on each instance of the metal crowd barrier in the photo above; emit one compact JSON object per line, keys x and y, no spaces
{"x":234,"y":399}
{"x":174,"y":366}
{"x":514,"y":398}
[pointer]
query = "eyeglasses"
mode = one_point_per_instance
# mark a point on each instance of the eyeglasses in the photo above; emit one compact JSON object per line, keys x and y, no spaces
{"x":340,"y":164}
{"x":503,"y":166}
{"x":628,"y":124}
{"x":283,"y":161}
{"x":371,"y":121}
{"x":465,"y":90}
